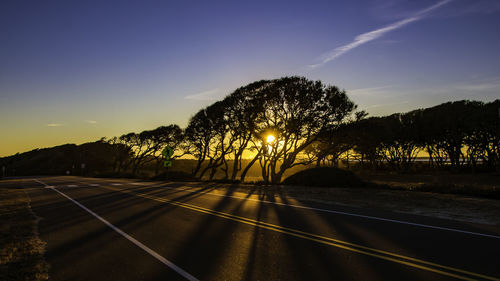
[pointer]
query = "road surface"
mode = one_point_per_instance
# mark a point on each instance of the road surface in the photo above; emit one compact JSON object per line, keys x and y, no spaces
{"x":115,"y":229}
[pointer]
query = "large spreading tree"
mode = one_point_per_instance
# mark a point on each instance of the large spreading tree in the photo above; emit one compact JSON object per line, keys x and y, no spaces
{"x":293,"y":110}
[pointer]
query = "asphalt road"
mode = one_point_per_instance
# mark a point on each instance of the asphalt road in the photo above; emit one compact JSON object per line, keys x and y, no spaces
{"x":110,"y":229}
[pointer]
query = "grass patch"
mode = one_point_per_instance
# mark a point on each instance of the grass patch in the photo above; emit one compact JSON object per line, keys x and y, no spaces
{"x":324,"y":177}
{"x":21,"y":251}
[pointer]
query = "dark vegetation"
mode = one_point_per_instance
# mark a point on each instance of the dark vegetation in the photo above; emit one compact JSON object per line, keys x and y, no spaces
{"x":97,"y":157}
{"x":312,"y":124}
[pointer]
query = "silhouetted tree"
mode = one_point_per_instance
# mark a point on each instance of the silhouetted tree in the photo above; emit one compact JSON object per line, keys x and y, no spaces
{"x":483,"y":138}
{"x":122,"y":154}
{"x":221,"y":143}
{"x":243,"y":108}
{"x":199,"y":137}
{"x":334,"y":141}
{"x":163,"y":136}
{"x":445,"y":128}
{"x":295,"y":111}
{"x":400,"y":141}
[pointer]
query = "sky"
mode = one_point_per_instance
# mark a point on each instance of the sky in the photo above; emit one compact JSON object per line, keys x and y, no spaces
{"x":74,"y":71}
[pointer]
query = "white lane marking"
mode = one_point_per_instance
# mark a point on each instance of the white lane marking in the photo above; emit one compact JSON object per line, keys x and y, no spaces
{"x":138,"y":183}
{"x":336,"y":212}
{"x":116,"y":184}
{"x":343,"y":213}
{"x":72,"y":185}
{"x":94,"y":184}
{"x":128,"y":237}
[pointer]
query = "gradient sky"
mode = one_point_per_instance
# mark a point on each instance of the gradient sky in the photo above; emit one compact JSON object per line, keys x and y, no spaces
{"x":74,"y":71}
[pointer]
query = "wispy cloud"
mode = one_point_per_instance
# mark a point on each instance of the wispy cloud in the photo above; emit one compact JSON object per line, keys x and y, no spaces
{"x":387,"y":104}
{"x":91,"y":121}
{"x":370,"y":91}
{"x":374,"y":34}
{"x":55,"y":125}
{"x":206,"y":95}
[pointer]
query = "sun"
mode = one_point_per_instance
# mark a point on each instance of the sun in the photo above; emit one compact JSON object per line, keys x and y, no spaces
{"x":270,"y":139}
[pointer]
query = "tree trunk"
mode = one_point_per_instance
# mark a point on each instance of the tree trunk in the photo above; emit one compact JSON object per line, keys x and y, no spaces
{"x":225,"y":169}
{"x":235,"y":168}
{"x":204,"y":171}
{"x":265,"y":174}
{"x":212,"y":173}
{"x":318,"y":162}
{"x":245,"y":171}
{"x":198,"y":167}
{"x":276,"y":178}
{"x":136,"y":166}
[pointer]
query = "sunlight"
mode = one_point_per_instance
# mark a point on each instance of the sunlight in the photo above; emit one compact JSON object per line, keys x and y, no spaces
{"x":270,"y":139}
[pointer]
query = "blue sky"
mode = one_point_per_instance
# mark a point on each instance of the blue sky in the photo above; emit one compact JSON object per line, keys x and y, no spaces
{"x":75,"y":71}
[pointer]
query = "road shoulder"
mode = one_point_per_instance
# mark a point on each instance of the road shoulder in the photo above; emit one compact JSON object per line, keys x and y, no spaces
{"x":22,"y":251}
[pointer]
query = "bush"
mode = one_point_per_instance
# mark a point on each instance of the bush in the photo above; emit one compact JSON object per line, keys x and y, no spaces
{"x":325,"y":177}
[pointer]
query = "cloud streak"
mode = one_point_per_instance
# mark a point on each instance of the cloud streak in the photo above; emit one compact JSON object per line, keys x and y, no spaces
{"x":374,"y":34}
{"x":207,"y":95}
{"x":370,"y":91}
{"x":387,"y":104}
{"x":55,"y":125}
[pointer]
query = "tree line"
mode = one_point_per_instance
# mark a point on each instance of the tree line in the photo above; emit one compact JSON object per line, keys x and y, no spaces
{"x":315,"y":123}
{"x":278,"y":124}
{"x":453,"y":135}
